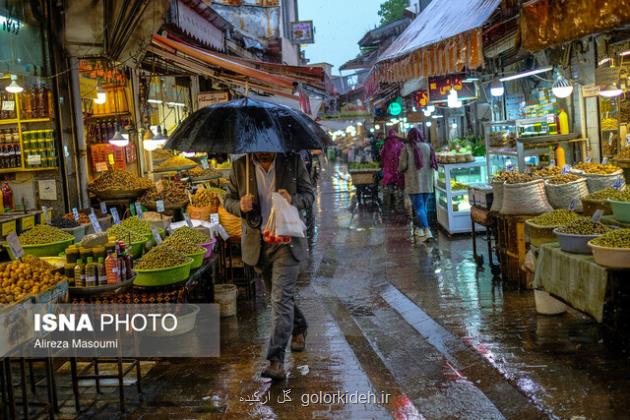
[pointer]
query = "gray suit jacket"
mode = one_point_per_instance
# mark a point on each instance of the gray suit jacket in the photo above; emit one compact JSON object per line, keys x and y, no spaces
{"x":292,"y":176}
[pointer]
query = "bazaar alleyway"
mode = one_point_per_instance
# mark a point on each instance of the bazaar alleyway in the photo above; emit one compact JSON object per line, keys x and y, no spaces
{"x":418,"y":323}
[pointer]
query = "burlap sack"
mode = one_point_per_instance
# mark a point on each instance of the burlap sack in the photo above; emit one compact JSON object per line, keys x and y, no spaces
{"x":560,"y":196}
{"x":598,"y":182}
{"x":497,"y":201}
{"x":525,"y":198}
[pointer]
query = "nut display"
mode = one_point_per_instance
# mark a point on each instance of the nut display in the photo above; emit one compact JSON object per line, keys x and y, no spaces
{"x":117,"y":180}
{"x":64,"y":222}
{"x":563,"y":179}
{"x":610,"y":193}
{"x":558,"y":217}
{"x":161,"y":257}
{"x":83,"y":218}
{"x":172,"y":192}
{"x":546,"y":172}
{"x":204,"y":198}
{"x":518,"y":178}
{"x":597,"y":168}
{"x":121,"y":233}
{"x":624,"y":154}
{"x":618,"y":238}
{"x":190,"y":235}
{"x":200,"y":173}
{"x":177,"y":162}
{"x":584,"y":226}
{"x":43,"y":234}
{"x":19,"y":279}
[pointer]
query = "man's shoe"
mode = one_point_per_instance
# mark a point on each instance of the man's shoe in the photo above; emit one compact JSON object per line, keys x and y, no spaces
{"x":274,"y":371}
{"x":298,"y":342}
{"x":419,"y":233}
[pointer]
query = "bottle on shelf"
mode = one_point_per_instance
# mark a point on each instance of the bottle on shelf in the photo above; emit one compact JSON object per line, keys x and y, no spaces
{"x":7,"y":196}
{"x":90,"y":273}
{"x":100,"y":272}
{"x":27,"y":110}
{"x":563,"y":122}
{"x":49,"y":103}
{"x":112,"y":269}
{"x":79,"y":274}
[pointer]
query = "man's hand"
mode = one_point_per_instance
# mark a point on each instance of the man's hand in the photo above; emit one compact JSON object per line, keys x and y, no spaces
{"x":285,"y":194}
{"x":247,"y":203}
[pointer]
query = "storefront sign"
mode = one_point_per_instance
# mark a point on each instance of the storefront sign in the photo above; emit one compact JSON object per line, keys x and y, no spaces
{"x":302,"y":32}
{"x":590,"y":91}
{"x":440,"y":87}
{"x":210,"y":98}
{"x":421,"y":98}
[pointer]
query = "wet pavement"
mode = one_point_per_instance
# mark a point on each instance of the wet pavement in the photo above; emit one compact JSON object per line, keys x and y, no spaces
{"x":409,"y":330}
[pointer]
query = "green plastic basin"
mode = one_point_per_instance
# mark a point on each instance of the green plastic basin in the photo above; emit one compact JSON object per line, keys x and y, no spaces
{"x":197,"y":258}
{"x":621,"y":210}
{"x":137,"y":248}
{"x":163,"y":276}
{"x":46,"y":250}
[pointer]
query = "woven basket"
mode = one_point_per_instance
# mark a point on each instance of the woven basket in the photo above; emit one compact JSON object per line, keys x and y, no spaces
{"x":362,"y":178}
{"x":560,"y":196}
{"x":540,"y":235}
{"x":497,"y":201}
{"x":525,"y":198}
{"x":230,"y":223}
{"x":589,"y":207}
{"x":201,"y":213}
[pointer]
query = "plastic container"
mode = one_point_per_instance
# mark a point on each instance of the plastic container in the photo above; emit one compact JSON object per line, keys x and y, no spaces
{"x":47,"y":250}
{"x":575,"y":244}
{"x":197,"y":259}
{"x":611,"y":257}
{"x":620,"y":210}
{"x":589,"y":207}
{"x":548,"y":305}
{"x":209,"y":247}
{"x":225,"y":295}
{"x":137,"y":248}
{"x":163,"y":276}
{"x":78,"y":232}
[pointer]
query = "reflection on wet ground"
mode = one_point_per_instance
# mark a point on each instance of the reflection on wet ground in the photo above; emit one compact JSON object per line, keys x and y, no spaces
{"x":419,"y":323}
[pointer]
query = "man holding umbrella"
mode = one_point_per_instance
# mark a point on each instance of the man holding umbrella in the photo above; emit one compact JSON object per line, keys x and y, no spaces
{"x":270,"y":135}
{"x":278,"y":263}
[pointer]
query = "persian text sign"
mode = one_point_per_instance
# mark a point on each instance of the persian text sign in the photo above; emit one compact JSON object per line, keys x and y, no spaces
{"x":440,"y":87}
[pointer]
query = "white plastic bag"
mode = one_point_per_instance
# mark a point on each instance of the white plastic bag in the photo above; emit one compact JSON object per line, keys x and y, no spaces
{"x":288,"y":222}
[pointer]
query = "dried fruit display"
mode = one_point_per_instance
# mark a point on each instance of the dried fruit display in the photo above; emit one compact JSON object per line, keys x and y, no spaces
{"x":177,"y":162}
{"x":558,"y":217}
{"x":584,"y":226}
{"x":597,"y":168}
{"x":173,"y":193}
{"x":119,"y":181}
{"x":161,"y":257}
{"x":563,"y":179}
{"x":618,"y":238}
{"x":546,"y":172}
{"x":31,"y":275}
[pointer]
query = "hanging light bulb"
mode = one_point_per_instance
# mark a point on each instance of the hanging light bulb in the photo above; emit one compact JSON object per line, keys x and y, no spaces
{"x":14,"y":87}
{"x":497,"y":88}
{"x":117,"y":139}
{"x":562,"y":88}
{"x":428,"y":123}
{"x":101,"y":96}
{"x":160,"y":138}
{"x":148,"y":141}
{"x":426,"y":112}
{"x":611,"y":90}
{"x":431,"y":108}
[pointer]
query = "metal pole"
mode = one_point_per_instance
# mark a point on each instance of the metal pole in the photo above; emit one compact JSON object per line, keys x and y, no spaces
{"x":82,"y":170}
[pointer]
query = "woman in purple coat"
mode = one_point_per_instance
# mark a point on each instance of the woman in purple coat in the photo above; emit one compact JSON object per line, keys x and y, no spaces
{"x":393,"y":180}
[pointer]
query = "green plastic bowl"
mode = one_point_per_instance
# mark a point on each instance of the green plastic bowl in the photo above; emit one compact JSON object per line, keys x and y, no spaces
{"x":163,"y":276}
{"x":197,"y":258}
{"x":621,"y":210}
{"x":46,"y":250}
{"x":137,"y":248}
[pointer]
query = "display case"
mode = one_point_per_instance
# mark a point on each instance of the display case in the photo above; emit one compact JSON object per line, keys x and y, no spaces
{"x":528,"y":143}
{"x":451,"y":193}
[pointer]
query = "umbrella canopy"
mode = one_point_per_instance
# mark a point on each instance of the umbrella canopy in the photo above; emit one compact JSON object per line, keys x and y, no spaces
{"x":247,"y":126}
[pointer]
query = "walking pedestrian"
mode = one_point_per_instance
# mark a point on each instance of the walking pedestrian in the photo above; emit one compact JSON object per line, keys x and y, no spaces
{"x":279,"y":264}
{"x":417,"y":162}
{"x":393,"y":181}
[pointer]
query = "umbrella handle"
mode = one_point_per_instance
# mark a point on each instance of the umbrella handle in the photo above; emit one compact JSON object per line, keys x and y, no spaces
{"x":246,"y":174}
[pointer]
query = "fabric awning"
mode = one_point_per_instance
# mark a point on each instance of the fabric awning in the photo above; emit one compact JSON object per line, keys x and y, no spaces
{"x":545,"y":23}
{"x":443,"y":39}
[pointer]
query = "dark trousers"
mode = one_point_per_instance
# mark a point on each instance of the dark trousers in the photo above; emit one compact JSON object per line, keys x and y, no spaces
{"x":279,"y":272}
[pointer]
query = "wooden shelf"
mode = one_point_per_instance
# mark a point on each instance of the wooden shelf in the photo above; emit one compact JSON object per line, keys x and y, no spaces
{"x":15,"y":170}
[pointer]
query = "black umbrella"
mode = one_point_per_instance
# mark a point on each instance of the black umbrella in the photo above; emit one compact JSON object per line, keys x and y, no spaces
{"x":247,"y":126}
